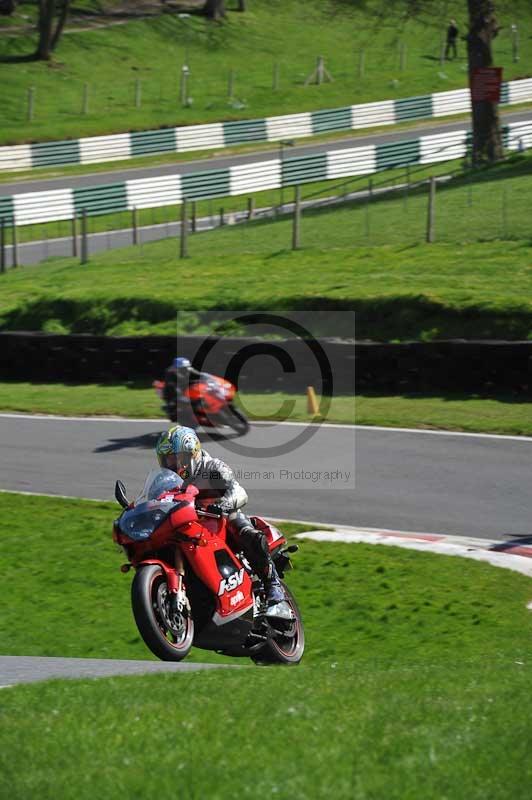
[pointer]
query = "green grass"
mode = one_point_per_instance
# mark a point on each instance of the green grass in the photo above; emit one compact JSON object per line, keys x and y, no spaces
{"x":359,"y":730}
{"x":289,"y":32}
{"x":415,"y":678}
{"x":383,"y":598}
{"x":499,"y":414}
{"x":472,"y":283}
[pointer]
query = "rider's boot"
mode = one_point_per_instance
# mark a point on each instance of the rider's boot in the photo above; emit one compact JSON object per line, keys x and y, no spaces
{"x":273,"y":586}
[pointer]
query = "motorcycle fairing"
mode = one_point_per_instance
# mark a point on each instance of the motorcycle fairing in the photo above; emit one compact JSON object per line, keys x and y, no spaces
{"x":140,"y":522}
{"x":273,"y":535}
{"x":232,"y":588}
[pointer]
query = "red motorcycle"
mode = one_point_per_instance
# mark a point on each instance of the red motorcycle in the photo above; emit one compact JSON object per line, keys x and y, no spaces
{"x":206,"y":401}
{"x":192,"y":584}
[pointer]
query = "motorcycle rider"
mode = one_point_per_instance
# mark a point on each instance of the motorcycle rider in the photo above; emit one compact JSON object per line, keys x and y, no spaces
{"x":181,"y":373}
{"x":179,"y":449}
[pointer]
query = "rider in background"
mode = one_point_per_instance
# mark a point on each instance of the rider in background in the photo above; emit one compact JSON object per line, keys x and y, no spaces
{"x":179,"y":449}
{"x":182,"y":374}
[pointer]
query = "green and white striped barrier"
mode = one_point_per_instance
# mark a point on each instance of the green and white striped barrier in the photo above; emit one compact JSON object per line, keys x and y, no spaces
{"x":125,"y":146}
{"x":59,"y":204}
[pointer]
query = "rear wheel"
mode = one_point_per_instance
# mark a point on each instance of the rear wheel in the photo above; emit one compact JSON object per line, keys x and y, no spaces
{"x":167,"y":632}
{"x":289,"y":647}
{"x":235,"y":419}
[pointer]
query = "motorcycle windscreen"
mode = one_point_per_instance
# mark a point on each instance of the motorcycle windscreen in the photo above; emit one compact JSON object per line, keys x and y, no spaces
{"x":141,"y":521}
{"x":159,"y":481}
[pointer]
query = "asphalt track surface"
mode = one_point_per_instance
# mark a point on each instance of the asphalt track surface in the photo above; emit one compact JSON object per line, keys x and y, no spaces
{"x":225,"y":161}
{"x":377,"y":478}
{"x":27,"y":669}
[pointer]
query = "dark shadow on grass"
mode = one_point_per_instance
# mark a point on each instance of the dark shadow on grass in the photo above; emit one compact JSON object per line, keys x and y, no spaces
{"x":18,"y":59}
{"x":380,"y":319}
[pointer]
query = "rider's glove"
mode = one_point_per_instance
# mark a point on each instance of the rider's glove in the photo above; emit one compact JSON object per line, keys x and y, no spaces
{"x":216,"y":508}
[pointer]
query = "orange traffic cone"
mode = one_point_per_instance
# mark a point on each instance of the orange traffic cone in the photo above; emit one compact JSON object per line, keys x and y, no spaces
{"x":312,"y":403}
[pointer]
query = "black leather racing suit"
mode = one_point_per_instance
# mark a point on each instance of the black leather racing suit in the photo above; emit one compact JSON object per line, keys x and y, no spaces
{"x":214,"y":478}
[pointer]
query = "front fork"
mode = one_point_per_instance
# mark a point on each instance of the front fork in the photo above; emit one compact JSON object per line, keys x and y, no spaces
{"x":178,"y":599}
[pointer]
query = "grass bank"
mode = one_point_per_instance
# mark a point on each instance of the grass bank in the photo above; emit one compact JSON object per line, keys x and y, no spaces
{"x":398,"y":293}
{"x":361,"y":729}
{"x":369,"y":256}
{"x":371,"y":55}
{"x":503,"y":415}
{"x":444,"y":642}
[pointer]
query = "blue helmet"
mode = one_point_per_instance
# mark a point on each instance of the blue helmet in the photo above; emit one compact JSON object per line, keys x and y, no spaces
{"x":181,"y":363}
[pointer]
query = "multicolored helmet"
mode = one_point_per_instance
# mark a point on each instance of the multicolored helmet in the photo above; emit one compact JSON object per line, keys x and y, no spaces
{"x":179,"y":449}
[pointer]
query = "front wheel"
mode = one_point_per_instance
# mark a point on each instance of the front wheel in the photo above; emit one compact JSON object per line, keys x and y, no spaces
{"x":168,"y":633}
{"x":289,"y":648}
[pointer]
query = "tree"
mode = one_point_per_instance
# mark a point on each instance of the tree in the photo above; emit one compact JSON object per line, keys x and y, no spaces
{"x":52,"y":17}
{"x":7,"y":7}
{"x":214,"y":9}
{"x":483,"y":28}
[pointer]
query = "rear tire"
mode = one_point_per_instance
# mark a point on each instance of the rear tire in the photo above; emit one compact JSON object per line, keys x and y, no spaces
{"x":287,"y":650}
{"x":236,"y":420}
{"x":168,"y":637}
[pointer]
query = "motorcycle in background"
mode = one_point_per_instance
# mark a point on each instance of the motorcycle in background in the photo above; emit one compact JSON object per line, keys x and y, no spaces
{"x":207,"y":400}
{"x":192,"y":584}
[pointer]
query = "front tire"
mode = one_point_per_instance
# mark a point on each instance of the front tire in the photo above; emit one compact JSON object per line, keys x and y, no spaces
{"x":285,"y":650}
{"x":168,"y":636}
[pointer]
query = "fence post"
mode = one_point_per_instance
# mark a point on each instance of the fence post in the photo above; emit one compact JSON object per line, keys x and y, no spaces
{"x":84,"y":239}
{"x":504,"y":215}
{"x":402,"y":57}
{"x":361,"y":64}
{"x":184,"y":80}
{"x":31,"y":103}
{"x":368,"y":205}
{"x":431,"y":210}
{"x":296,"y":227}
{"x":138,"y":93}
{"x":442,"y":50}
{"x":407,"y":186}
{"x":85,"y":98}
{"x":515,"y":43}
{"x":74,"y":236}
{"x":231,"y":84}
{"x":275,"y":82}
{"x":2,"y":245}
{"x":135,"y":225}
{"x":183,"y":251}
{"x":251,"y":207}
{"x":194,"y":217}
{"x":222,"y":219}
{"x":15,"y":245}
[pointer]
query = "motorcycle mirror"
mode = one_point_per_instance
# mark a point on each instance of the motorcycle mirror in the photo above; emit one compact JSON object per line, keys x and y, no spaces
{"x":120,"y":494}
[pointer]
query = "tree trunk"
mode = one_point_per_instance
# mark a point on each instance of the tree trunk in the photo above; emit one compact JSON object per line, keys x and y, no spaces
{"x":46,"y":18}
{"x":241,"y":5}
{"x":214,"y":9}
{"x":483,"y":28}
{"x":48,"y":36}
{"x":61,"y":23}
{"x":7,"y":7}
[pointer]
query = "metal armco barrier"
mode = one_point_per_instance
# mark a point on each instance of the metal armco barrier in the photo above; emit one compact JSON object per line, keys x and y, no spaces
{"x":63,"y":204}
{"x":469,"y":366}
{"x":119,"y":147}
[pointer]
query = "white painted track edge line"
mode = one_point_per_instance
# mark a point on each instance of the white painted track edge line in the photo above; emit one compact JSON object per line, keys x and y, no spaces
{"x":339,"y":426}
